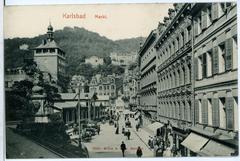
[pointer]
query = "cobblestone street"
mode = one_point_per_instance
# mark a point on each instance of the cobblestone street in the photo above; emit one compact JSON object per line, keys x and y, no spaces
{"x":107,"y":143}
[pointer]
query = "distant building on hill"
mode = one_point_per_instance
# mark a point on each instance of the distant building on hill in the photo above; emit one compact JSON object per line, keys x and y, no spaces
{"x":94,"y":61}
{"x":123,"y":59}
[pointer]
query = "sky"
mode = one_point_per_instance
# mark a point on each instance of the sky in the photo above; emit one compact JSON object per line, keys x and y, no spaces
{"x":120,"y":21}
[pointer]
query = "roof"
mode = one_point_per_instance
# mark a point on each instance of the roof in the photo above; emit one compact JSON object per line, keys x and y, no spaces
{"x":74,"y":96}
{"x":69,"y":104}
{"x":49,"y":44}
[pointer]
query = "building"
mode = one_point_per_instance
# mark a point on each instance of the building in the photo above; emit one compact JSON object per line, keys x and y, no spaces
{"x":94,"y":61}
{"x":50,"y":57}
{"x":196,"y":66}
{"x":123,"y":59}
{"x":148,"y":78}
{"x":131,"y":85}
{"x":15,"y":75}
{"x":103,"y":85}
{"x":174,"y":83}
{"x":215,"y":84}
{"x":76,"y":81}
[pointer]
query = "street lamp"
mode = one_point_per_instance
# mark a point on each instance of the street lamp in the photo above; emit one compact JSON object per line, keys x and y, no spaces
{"x":79,"y":118}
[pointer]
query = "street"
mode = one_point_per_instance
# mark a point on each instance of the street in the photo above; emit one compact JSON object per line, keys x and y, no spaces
{"x":107,"y":143}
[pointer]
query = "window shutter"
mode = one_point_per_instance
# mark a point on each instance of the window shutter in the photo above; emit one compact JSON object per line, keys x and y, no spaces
{"x":204,"y":19}
{"x":204,"y":111}
{"x":186,"y":38}
{"x":215,"y":8}
{"x":196,"y":68}
{"x":196,"y":111}
{"x":215,"y":110}
{"x":204,"y":65}
{"x":195,"y":28}
{"x":229,"y":112}
{"x":229,"y":52}
{"x":215,"y":60}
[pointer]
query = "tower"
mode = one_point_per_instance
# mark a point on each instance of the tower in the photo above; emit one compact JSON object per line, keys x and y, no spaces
{"x":50,"y":57}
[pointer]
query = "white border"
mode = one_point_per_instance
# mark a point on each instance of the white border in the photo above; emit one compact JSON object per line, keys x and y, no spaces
{"x":46,"y":2}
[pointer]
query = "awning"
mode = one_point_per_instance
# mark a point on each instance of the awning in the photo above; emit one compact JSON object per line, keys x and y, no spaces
{"x":156,"y":125}
{"x":128,"y":112}
{"x":214,"y":148}
{"x":194,"y":142}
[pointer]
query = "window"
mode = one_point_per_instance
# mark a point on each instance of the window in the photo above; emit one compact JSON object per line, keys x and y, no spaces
{"x":112,"y":86}
{"x":204,"y":66}
{"x":222,"y":61}
{"x":189,"y":33}
{"x":234,"y":52}
{"x":100,"y":87}
{"x":200,"y":111}
{"x":199,"y":67}
{"x":209,"y":63}
{"x":222,"y":112}
{"x":199,"y":22}
{"x":209,"y":15}
{"x":52,"y":50}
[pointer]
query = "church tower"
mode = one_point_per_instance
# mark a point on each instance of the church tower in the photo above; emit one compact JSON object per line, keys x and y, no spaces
{"x":50,"y":58}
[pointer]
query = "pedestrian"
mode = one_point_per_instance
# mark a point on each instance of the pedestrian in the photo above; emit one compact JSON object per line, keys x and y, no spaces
{"x":123,"y":130}
{"x":117,"y":130}
{"x":129,"y":133}
{"x":123,"y":148}
{"x":139,"y":152}
{"x":98,"y":129}
{"x":138,"y":126}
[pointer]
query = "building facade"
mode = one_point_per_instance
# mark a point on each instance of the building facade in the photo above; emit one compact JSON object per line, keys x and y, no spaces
{"x":174,"y":82}
{"x":148,"y":78}
{"x":15,"y":75}
{"x":50,"y":57}
{"x":215,"y":85}
{"x":104,"y":85}
{"x":196,"y":66}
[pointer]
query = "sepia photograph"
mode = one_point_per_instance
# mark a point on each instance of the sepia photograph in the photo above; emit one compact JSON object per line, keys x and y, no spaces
{"x":140,"y":80}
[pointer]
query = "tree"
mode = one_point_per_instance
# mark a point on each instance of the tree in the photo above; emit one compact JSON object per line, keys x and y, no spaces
{"x":107,"y":60}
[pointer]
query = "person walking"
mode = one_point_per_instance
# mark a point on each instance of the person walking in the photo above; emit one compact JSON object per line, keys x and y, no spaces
{"x":98,"y":129}
{"x":117,"y":130}
{"x":128,"y":135}
{"x":139,"y":152}
{"x":123,"y":148}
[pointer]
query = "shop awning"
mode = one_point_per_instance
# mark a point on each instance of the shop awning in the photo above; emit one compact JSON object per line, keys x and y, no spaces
{"x":194,"y":142}
{"x":214,"y":148}
{"x":156,"y":125}
{"x":128,"y":112}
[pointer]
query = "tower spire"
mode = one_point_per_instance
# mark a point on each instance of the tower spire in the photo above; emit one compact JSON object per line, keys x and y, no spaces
{"x":50,"y":32}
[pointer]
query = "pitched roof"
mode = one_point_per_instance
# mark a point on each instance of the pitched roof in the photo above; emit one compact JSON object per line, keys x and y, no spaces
{"x":48,"y":44}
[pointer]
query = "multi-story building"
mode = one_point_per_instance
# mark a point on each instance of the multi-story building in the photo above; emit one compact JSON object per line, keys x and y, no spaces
{"x":94,"y":61}
{"x":197,"y":79}
{"x":215,"y":85}
{"x":50,"y":57}
{"x":15,"y":75}
{"x":174,"y":83}
{"x":148,"y":78}
{"x":103,"y":85}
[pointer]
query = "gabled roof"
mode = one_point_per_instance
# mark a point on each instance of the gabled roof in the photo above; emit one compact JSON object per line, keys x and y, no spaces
{"x":48,"y":44}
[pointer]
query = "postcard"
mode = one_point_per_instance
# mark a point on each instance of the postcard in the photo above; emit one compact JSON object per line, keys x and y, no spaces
{"x":121,"y":80}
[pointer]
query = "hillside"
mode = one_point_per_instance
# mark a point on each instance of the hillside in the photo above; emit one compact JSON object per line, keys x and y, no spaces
{"x":78,"y":43}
